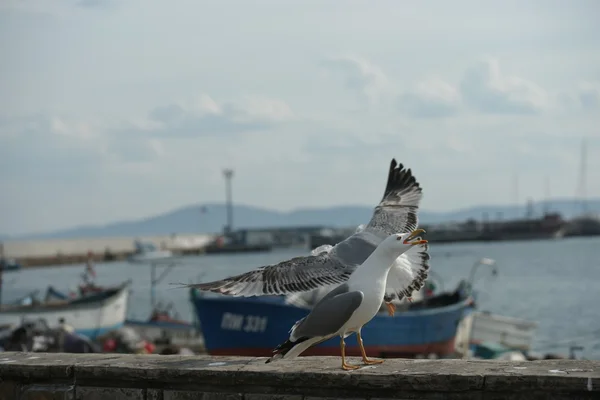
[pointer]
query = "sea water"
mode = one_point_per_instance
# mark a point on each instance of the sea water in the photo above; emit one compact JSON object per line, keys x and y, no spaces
{"x":553,"y":282}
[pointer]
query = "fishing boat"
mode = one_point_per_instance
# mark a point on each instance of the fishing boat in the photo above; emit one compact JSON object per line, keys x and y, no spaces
{"x":514,"y":333}
{"x":9,"y":264}
{"x":91,"y":315}
{"x":147,"y":252}
{"x":254,"y":326}
{"x":164,"y":329}
{"x":487,"y":335}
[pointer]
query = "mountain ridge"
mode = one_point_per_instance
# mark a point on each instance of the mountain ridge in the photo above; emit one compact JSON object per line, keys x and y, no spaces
{"x":210,"y":218}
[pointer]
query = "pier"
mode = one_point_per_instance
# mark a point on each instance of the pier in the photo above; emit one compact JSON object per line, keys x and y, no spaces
{"x":153,"y":377}
{"x":48,"y":252}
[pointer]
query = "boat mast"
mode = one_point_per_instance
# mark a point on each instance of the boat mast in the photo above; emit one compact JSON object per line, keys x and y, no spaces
{"x":547,"y":196}
{"x":581,"y":190}
{"x":2,"y":263}
{"x":228,"y":173}
{"x":516,"y":193}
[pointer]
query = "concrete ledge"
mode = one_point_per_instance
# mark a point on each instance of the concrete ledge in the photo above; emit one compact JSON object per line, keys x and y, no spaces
{"x":154,"y":377}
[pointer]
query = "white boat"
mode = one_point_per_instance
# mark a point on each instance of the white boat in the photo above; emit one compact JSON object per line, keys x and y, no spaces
{"x":146,"y":252}
{"x":90,"y":315}
{"x":478,"y":328}
{"x":514,"y":333}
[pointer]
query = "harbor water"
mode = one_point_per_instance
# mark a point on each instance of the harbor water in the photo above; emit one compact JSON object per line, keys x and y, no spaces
{"x":553,"y":282}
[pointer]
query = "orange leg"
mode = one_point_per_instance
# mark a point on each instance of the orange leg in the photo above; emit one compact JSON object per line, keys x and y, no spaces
{"x":364,"y":353}
{"x":347,"y":367}
{"x":391,"y":308}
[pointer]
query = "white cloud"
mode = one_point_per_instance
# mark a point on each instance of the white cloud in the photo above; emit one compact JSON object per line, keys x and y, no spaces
{"x":132,"y":150}
{"x":365,"y":78}
{"x":584,"y":97}
{"x":53,"y":145}
{"x":55,"y":8}
{"x":252,"y":108}
{"x":95,"y":4}
{"x":76,"y":129}
{"x":205,"y":116}
{"x":589,"y":96}
{"x":431,"y":98}
{"x":100,"y":92}
{"x":485,"y":88}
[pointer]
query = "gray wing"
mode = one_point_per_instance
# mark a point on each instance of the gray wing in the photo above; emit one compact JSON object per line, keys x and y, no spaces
{"x":328,"y":315}
{"x":395,"y":213}
{"x":299,"y":274}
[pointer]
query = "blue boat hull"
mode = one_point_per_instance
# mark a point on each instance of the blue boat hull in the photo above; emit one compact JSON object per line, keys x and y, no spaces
{"x":255,"y":326}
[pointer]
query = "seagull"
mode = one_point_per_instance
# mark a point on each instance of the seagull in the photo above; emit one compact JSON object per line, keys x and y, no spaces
{"x":390,"y":237}
{"x":348,"y":307}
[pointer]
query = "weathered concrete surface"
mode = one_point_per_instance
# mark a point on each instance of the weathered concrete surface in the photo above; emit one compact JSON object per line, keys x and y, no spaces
{"x":154,"y":377}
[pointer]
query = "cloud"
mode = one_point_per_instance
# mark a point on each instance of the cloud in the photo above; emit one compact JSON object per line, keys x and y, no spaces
{"x":432,"y":98}
{"x":95,"y":3}
{"x":485,"y":89}
{"x":56,"y":8}
{"x":589,"y":96}
{"x":585,"y":97}
{"x":132,"y":150}
{"x":40,"y":148}
{"x":361,"y":76}
{"x":207,"y":117}
{"x":590,"y":99}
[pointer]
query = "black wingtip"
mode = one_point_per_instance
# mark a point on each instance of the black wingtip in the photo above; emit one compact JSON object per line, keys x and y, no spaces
{"x":281,"y":350}
{"x":398,"y":177}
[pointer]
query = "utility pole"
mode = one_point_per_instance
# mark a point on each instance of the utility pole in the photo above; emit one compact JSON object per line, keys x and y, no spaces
{"x":581,"y":188}
{"x":516,"y":193}
{"x":547,"y":197}
{"x":228,"y":173}
{"x":2,"y":262}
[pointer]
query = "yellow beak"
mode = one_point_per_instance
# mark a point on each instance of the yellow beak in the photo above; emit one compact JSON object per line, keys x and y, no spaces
{"x":414,"y":235}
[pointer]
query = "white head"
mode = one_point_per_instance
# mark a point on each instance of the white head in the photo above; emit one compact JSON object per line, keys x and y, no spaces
{"x":398,"y":243}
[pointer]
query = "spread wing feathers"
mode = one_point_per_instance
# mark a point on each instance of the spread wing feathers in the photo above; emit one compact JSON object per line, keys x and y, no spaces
{"x":327,"y":265}
{"x":408,"y":274}
{"x":397,"y":211}
{"x":299,"y":274}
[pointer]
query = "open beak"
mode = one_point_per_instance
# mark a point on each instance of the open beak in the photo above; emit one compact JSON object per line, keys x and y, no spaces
{"x":413,"y":238}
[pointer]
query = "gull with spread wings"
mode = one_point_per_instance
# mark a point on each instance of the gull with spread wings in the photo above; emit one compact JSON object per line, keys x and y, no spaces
{"x":388,"y":247}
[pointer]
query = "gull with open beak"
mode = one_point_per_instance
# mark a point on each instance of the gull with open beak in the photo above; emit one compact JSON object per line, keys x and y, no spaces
{"x":412,"y":239}
{"x":380,"y":262}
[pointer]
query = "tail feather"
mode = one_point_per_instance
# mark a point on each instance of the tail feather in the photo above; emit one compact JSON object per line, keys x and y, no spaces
{"x":284,"y":348}
{"x":291,"y":349}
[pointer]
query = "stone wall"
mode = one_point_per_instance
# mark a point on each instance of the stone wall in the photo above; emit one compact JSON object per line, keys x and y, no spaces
{"x":152,"y":377}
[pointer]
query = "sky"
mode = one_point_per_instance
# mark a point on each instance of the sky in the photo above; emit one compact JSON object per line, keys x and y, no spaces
{"x":122,"y":109}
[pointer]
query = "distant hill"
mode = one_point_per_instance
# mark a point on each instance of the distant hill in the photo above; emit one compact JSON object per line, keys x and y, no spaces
{"x":210,"y":218}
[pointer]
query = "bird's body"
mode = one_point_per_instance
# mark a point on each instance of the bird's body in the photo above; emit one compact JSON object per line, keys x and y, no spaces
{"x":381,"y":261}
{"x":346,"y":308}
{"x":370,"y":279}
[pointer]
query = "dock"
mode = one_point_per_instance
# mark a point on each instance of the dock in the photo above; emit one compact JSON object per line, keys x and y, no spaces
{"x":153,"y":377}
{"x":48,"y":252}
